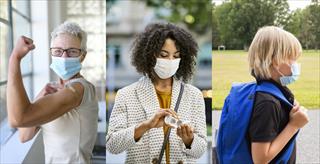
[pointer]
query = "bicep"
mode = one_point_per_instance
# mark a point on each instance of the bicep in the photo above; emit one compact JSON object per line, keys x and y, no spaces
{"x":51,"y":106}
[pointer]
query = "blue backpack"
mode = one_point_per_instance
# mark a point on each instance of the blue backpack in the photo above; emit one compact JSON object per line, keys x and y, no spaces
{"x":232,"y":144}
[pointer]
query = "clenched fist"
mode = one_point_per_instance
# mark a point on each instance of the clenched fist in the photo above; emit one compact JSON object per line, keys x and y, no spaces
{"x":298,"y":117}
{"x":23,"y":46}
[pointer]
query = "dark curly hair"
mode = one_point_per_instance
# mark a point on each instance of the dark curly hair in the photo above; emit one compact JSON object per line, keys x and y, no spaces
{"x":147,"y":46}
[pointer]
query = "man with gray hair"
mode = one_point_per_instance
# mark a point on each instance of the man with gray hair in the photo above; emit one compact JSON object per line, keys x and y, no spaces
{"x":66,"y":111}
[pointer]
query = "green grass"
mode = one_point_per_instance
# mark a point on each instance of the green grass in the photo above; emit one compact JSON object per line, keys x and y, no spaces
{"x":209,"y":130}
{"x":232,"y":66}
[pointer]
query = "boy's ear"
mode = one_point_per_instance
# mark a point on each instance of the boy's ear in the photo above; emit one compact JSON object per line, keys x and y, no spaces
{"x":274,"y":63}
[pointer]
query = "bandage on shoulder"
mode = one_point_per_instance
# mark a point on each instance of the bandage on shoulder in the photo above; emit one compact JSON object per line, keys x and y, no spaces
{"x":72,"y":89}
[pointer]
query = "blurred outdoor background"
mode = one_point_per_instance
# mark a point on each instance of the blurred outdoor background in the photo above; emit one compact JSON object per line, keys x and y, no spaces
{"x":125,"y":19}
{"x":234,"y":24}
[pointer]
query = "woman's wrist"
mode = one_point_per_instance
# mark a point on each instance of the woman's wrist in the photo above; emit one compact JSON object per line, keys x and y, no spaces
{"x":189,"y":143}
{"x":14,"y":56}
{"x":140,"y":129}
{"x":13,"y":60}
{"x":145,"y":126}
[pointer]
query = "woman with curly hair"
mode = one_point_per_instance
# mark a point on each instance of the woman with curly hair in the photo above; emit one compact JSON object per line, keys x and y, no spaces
{"x":166,"y":55}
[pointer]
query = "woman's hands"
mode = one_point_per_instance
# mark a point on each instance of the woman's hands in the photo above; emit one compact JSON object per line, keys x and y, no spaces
{"x":23,"y":46}
{"x":185,"y":132}
{"x":157,"y":120}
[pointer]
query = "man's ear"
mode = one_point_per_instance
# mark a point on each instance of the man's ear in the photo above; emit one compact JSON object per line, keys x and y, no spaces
{"x":83,"y":56}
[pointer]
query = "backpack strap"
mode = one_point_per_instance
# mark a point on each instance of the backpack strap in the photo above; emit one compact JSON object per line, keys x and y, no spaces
{"x":270,"y":88}
{"x":275,"y":91}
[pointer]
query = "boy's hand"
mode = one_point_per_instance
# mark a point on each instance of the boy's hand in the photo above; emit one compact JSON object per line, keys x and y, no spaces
{"x":298,"y":117}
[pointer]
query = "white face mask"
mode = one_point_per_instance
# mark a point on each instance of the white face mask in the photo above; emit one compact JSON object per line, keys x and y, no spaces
{"x":166,"y":68}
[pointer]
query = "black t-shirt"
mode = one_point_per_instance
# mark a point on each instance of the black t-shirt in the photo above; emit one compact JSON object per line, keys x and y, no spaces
{"x":269,"y":117}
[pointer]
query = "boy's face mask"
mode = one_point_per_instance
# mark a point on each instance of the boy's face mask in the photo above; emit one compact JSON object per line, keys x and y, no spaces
{"x":65,"y":68}
{"x":295,"y":72}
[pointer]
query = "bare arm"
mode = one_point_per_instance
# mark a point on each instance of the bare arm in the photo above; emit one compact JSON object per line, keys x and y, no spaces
{"x":26,"y":134}
{"x":264,"y":152}
{"x":23,"y":113}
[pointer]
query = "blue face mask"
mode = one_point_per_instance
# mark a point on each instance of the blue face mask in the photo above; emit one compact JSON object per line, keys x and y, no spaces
{"x":65,"y":68}
{"x":295,"y":72}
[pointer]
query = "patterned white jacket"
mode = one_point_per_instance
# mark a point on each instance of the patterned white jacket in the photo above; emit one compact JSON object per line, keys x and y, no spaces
{"x":138,"y":102}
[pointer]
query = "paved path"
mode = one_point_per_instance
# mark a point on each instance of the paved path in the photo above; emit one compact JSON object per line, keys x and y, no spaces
{"x":308,"y":149}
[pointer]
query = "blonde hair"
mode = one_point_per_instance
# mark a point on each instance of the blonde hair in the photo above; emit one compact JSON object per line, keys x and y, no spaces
{"x":272,"y":45}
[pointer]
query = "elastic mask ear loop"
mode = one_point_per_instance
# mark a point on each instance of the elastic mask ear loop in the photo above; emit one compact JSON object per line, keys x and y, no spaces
{"x":281,"y":72}
{"x":282,"y":75}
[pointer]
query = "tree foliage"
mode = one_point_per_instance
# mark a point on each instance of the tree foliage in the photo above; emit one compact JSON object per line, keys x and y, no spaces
{"x":214,"y":27}
{"x":239,"y":20}
{"x":305,"y":25}
{"x":195,"y":14}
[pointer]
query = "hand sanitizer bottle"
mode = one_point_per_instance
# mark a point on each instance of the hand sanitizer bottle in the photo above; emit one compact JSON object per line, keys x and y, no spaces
{"x":172,"y":121}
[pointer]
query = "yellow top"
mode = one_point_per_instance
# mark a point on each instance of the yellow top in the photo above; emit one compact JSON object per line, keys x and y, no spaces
{"x":165,"y":101}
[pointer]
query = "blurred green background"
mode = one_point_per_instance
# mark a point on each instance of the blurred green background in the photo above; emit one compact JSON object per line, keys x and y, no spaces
{"x":234,"y":24}
{"x":232,"y":66}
